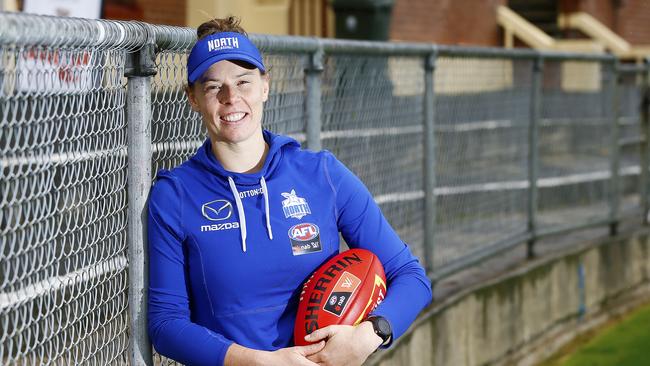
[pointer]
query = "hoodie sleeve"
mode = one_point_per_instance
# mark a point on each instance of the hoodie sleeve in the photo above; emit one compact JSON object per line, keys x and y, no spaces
{"x":172,"y":332}
{"x":363,"y":225}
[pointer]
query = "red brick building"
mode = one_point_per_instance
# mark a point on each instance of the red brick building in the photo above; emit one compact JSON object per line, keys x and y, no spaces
{"x":170,"y":12}
{"x":474,"y":22}
{"x":457,"y":22}
{"x":467,"y":22}
{"x":629,"y":18}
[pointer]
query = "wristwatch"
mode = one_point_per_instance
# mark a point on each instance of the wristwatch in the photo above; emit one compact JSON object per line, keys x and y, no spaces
{"x":382,"y":328}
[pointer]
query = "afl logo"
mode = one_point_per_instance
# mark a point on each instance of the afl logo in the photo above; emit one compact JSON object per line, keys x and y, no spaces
{"x":333,"y":300}
{"x":303,"y":232}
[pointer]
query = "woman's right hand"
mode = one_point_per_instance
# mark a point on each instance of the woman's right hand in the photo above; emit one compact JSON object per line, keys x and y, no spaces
{"x":290,"y":356}
{"x":296,"y":355}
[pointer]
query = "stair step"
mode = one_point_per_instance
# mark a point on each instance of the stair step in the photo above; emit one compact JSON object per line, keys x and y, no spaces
{"x":541,"y":13}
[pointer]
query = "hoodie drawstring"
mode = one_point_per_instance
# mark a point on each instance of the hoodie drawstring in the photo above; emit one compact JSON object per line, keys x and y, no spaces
{"x":240,"y":211}
{"x":242,"y":216}
{"x":266,"y":207}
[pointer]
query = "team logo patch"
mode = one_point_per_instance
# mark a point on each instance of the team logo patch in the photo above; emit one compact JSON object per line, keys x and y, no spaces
{"x":305,"y":238}
{"x":294,"y":206}
{"x":341,"y":293}
{"x":224,"y":43}
{"x":217,"y":210}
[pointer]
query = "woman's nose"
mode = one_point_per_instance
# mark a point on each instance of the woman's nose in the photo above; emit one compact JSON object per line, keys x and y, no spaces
{"x":227,"y":95}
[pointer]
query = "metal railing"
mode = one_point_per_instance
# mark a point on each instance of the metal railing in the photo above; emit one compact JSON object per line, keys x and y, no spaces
{"x":468,"y":151}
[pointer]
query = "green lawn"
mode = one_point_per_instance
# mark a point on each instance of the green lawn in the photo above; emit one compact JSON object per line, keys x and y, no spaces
{"x":626,"y":343}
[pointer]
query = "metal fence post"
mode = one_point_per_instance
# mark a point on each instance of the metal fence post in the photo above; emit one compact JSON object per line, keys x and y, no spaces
{"x":533,"y":152}
{"x":313,"y":83}
{"x":429,"y":160}
{"x":614,"y":193}
{"x":140,"y":66}
{"x":645,"y":130}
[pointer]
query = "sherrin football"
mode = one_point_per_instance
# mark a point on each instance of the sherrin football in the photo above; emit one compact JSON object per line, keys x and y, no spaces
{"x":344,"y":291}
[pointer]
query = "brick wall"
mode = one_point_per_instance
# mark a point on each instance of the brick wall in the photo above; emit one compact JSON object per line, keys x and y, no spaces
{"x":603,"y":10}
{"x":122,"y":11}
{"x":169,"y":12}
{"x":634,"y":21}
{"x":468,"y":22}
{"x":629,"y":18}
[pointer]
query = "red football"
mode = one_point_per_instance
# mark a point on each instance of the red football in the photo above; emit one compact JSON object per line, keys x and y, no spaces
{"x":344,"y":290}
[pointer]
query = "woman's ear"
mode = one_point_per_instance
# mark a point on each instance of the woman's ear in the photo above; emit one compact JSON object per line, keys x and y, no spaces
{"x":191,"y":97}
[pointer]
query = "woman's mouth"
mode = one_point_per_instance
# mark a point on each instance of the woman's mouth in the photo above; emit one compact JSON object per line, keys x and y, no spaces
{"x":233,"y":117}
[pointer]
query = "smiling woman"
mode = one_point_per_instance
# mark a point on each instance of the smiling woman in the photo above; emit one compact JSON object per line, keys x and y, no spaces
{"x":228,"y":85}
{"x":230,"y":98}
{"x":224,"y":290}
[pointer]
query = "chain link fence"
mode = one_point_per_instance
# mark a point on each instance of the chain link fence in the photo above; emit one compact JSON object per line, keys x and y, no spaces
{"x":467,"y":151}
{"x":372,"y":121}
{"x":575,"y":143}
{"x":482,"y":124}
{"x":631,"y":96}
{"x":63,"y":146}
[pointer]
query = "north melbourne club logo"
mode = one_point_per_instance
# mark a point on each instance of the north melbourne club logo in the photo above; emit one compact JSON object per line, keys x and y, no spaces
{"x":223,"y":44}
{"x":294,"y":206}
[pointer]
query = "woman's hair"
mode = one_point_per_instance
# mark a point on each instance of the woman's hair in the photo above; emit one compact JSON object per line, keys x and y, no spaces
{"x":217,"y":25}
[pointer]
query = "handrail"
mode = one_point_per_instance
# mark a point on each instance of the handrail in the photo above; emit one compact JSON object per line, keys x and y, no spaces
{"x":515,"y":25}
{"x":600,"y":33}
{"x":594,"y":29}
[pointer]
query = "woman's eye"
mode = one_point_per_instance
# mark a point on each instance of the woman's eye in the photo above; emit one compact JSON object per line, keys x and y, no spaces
{"x":243,"y":82}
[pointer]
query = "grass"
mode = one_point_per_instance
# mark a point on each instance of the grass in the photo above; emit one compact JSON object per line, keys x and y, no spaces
{"x":623,"y":343}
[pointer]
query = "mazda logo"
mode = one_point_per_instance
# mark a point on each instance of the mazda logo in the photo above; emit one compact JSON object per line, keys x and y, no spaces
{"x":217,"y":210}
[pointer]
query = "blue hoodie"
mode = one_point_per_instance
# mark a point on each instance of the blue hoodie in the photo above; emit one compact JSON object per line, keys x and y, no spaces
{"x":227,"y":257}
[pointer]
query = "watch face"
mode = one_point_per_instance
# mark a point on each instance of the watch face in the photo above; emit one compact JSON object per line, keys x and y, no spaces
{"x":383,"y":327}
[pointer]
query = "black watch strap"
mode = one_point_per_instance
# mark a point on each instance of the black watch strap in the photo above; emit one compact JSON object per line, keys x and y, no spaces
{"x":382,"y":328}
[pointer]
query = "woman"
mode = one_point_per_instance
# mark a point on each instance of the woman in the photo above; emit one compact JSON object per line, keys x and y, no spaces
{"x":225,"y":275}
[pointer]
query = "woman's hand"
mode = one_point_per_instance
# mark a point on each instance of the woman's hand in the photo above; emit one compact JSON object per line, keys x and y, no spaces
{"x":297,"y":355}
{"x":346,"y":345}
{"x":290,"y":356}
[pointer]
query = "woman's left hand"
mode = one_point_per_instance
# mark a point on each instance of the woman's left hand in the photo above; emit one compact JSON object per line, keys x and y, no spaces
{"x":346,"y":345}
